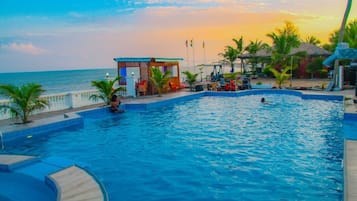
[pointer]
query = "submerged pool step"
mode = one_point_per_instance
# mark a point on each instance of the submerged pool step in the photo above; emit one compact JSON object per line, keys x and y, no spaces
{"x":11,"y":162}
{"x":74,"y":183}
{"x":70,"y":182}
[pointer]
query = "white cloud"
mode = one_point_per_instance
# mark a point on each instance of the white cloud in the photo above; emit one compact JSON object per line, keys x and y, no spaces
{"x":26,"y":48}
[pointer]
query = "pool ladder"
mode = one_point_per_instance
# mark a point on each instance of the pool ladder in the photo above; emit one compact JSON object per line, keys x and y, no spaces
{"x":2,"y":141}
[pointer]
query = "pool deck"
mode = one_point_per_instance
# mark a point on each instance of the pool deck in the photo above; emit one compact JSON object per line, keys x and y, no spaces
{"x":74,"y":189}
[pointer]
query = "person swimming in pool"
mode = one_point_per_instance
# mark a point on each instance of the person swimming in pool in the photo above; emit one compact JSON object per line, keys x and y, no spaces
{"x":262,"y":100}
{"x":114,"y":104}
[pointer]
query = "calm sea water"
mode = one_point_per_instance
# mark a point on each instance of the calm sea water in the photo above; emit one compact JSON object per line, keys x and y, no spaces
{"x":58,"y":81}
{"x":211,"y":148}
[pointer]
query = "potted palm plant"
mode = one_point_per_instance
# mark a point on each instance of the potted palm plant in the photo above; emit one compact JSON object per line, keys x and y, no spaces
{"x":24,"y":99}
{"x":191,"y":78}
{"x":280,"y":76}
{"x":106,"y":89}
{"x":159,"y":79}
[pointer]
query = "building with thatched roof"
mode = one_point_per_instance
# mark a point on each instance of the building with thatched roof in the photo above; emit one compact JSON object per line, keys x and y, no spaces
{"x":312,"y":51}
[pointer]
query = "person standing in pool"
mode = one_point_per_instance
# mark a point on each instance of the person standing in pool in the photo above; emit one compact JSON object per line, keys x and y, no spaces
{"x":114,"y":104}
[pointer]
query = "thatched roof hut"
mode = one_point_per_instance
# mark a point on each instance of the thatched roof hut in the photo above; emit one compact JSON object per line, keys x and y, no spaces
{"x":310,"y":49}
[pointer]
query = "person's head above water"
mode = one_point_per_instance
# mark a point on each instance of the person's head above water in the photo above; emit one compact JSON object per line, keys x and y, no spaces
{"x":262,"y":100}
{"x":114,"y":98}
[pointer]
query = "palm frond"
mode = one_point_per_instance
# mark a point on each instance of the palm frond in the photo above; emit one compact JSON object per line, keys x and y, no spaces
{"x":191,"y":78}
{"x":159,"y":79}
{"x":24,"y":99}
{"x":106,"y":89}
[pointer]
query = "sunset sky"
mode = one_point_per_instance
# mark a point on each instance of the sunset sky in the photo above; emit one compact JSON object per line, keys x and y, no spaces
{"x":38,"y":35}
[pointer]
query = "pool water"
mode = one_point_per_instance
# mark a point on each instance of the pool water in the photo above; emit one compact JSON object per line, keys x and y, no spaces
{"x":211,"y":148}
{"x":20,"y":187}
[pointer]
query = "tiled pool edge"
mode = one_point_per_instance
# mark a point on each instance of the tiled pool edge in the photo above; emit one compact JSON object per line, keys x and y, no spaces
{"x":301,"y":94}
{"x":76,"y":119}
{"x":350,"y":162}
{"x":37,"y":128}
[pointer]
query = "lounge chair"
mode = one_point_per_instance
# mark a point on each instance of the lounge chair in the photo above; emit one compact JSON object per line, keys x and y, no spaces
{"x":173,"y":86}
{"x":142,"y":87}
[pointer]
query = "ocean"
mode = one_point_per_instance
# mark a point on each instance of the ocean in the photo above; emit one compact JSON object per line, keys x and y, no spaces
{"x":58,"y":81}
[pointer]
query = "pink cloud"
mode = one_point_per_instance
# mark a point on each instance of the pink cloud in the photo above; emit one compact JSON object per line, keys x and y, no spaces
{"x":26,"y":48}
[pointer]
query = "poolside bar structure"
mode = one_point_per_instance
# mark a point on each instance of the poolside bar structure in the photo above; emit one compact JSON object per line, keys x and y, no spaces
{"x":139,"y":67}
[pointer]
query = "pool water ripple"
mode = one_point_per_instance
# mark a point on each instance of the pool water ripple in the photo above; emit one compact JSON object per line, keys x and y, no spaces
{"x":211,"y":148}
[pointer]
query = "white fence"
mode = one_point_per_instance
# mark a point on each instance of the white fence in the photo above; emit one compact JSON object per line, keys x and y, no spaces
{"x":62,"y":101}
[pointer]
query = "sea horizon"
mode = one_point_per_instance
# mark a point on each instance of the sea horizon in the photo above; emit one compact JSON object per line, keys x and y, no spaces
{"x":58,"y":81}
{"x":52,"y":70}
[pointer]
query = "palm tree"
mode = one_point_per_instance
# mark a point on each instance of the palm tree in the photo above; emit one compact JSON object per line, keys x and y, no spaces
{"x":285,"y":39}
{"x":24,"y":100}
{"x":280,"y":77}
{"x":239,"y":45}
{"x":252,"y":49}
{"x":350,"y":36}
{"x":159,"y":79}
{"x":191,"y":78}
{"x":313,"y":40}
{"x":106,"y":89}
{"x":230,"y":55}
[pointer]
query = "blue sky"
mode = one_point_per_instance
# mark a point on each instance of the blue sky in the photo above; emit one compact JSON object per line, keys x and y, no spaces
{"x":70,"y":34}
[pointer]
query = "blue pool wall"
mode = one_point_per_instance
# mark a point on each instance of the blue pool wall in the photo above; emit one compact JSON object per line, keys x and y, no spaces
{"x":36,"y":131}
{"x":77,"y":121}
{"x":350,"y":117}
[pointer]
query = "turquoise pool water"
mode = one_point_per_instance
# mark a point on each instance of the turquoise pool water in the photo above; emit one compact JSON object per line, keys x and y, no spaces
{"x":20,"y":187}
{"x":210,"y":148}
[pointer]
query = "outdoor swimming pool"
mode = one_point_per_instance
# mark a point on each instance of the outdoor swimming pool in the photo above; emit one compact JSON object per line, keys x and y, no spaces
{"x":210,"y":148}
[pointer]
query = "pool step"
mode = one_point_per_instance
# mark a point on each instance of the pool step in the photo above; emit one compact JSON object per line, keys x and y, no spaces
{"x":11,"y":162}
{"x":75,"y":184}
